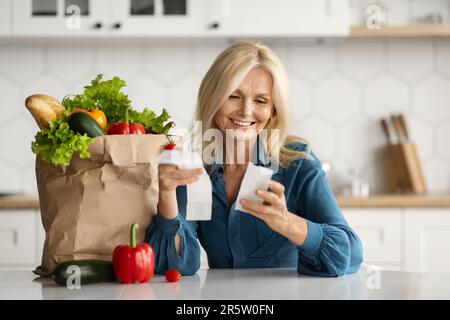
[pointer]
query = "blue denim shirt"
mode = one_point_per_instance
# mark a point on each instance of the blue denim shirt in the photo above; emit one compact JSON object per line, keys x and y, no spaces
{"x":235,"y":239}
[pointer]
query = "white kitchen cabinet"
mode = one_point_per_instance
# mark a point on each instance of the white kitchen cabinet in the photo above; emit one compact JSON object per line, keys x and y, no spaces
{"x":153,"y":18}
{"x":5,"y":12}
{"x":108,"y":18}
{"x":60,"y":17}
{"x":279,"y":18}
{"x":427,"y":240}
{"x":157,"y":17}
{"x":18,"y":238}
{"x":380,"y":231}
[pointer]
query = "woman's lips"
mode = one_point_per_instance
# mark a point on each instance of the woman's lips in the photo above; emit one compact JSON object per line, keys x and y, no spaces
{"x":242,"y":123}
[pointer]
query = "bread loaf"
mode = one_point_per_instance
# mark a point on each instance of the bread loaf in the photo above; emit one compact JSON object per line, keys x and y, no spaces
{"x":44,"y":109}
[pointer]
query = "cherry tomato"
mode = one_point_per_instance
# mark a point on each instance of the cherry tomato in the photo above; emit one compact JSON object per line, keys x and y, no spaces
{"x":170,"y":146}
{"x":173,"y":275}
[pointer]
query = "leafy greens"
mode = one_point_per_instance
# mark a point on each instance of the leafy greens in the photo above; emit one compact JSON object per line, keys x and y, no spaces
{"x":57,"y":143}
{"x":104,"y":95}
{"x":151,"y":122}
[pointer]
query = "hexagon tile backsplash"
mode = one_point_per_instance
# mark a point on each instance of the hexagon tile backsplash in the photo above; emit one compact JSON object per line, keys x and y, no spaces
{"x":340,"y":89}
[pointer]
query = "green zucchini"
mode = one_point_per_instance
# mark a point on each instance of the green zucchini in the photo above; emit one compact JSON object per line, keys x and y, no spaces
{"x":90,"y":271}
{"x":82,"y":123}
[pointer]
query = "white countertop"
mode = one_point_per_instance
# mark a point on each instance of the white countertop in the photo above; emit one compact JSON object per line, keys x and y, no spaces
{"x":239,"y":284}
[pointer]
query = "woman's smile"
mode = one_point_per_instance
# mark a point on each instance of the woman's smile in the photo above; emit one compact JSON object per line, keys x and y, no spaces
{"x":242,"y":124}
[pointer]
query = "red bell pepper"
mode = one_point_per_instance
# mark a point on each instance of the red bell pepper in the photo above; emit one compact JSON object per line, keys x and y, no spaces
{"x":125,"y":127}
{"x":134,"y":263}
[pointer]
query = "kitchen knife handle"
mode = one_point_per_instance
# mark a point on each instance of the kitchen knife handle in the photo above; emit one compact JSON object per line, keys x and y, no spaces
{"x":397,"y":128}
{"x":402,"y":122}
{"x":386,"y":131}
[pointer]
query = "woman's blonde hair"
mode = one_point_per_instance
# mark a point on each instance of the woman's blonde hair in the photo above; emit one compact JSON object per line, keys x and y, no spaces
{"x":224,"y":76}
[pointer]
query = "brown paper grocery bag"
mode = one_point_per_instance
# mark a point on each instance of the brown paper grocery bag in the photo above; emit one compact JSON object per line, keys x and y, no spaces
{"x":87,"y":208}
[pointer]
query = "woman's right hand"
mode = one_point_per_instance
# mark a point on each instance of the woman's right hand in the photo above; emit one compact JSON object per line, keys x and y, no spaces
{"x":169,"y":178}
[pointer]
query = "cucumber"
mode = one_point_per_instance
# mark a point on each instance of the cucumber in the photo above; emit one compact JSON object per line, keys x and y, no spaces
{"x":82,"y":123}
{"x":91,"y":271}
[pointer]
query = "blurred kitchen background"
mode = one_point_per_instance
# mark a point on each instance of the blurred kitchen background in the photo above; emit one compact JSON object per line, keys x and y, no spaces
{"x":350,"y":63}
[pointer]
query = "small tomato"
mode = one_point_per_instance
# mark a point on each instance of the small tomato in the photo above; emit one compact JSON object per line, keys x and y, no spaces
{"x":173,"y":275}
{"x":170,"y":146}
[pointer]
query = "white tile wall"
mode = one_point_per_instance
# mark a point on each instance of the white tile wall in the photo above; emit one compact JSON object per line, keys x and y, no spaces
{"x":442,"y":147}
{"x":313,"y":61}
{"x":340,"y":91}
{"x":385,"y":94}
{"x":430,"y":98}
{"x":360,"y":59}
{"x":338,"y":98}
{"x":303,"y":96}
{"x":423,"y":136}
{"x":21,"y":62}
{"x":403,"y":58}
{"x":69,"y":63}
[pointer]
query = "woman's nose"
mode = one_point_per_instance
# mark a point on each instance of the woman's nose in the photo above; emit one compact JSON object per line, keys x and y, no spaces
{"x":247,"y":108}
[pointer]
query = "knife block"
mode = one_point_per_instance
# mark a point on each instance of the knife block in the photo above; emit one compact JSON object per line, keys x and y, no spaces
{"x":405,"y":174}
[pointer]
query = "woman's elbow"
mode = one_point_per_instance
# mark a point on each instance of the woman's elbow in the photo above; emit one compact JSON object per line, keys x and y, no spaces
{"x":351,"y":255}
{"x":356,"y":257}
{"x":346,"y":257}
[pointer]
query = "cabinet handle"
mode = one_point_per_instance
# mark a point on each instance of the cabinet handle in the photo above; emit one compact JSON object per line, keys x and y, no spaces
{"x":98,"y":25}
{"x":214,"y":25}
{"x":117,"y":25}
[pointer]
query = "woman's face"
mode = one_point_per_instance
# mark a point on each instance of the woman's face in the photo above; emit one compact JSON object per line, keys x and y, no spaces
{"x":249,"y":107}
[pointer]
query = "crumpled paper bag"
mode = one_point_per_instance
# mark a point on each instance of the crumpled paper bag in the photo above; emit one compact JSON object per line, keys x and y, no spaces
{"x":87,"y":208}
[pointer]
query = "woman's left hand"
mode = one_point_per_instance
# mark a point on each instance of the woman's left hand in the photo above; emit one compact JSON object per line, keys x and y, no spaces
{"x":273,"y":211}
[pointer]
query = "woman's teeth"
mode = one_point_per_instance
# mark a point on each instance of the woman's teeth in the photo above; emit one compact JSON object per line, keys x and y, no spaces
{"x":242,"y":123}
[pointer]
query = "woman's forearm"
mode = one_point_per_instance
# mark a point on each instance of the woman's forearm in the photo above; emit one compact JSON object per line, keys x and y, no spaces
{"x":167,"y":204}
{"x":168,"y":207}
{"x":295,"y":229}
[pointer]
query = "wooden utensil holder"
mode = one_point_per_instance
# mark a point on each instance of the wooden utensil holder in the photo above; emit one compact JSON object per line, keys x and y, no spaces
{"x":405,"y":174}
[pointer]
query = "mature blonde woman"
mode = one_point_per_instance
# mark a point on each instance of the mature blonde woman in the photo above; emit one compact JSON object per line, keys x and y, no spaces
{"x":299,"y":224}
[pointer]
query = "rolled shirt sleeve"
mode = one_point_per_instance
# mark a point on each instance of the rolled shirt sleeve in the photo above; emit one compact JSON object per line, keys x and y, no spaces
{"x":161,"y":236}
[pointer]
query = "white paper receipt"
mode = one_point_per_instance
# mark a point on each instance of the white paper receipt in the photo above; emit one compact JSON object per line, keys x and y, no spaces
{"x":199,"y":193}
{"x":255,"y":178}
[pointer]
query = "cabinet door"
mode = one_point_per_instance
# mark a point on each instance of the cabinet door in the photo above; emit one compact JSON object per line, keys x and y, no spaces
{"x":5,"y":14}
{"x":157,"y":17}
{"x":59,"y":17}
{"x":280,"y":18}
{"x":427,"y":240}
{"x":17,"y":238}
{"x":380,"y":231}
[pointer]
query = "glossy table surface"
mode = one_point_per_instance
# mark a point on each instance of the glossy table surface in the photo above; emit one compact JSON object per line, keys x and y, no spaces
{"x":239,"y":284}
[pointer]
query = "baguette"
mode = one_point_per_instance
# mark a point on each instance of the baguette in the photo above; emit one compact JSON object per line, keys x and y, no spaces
{"x":44,"y":109}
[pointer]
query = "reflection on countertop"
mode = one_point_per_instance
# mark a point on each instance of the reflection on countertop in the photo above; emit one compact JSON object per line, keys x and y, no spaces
{"x":239,"y":284}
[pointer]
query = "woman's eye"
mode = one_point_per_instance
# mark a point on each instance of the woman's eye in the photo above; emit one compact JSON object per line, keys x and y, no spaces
{"x":261,"y":101}
{"x":234,"y":97}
